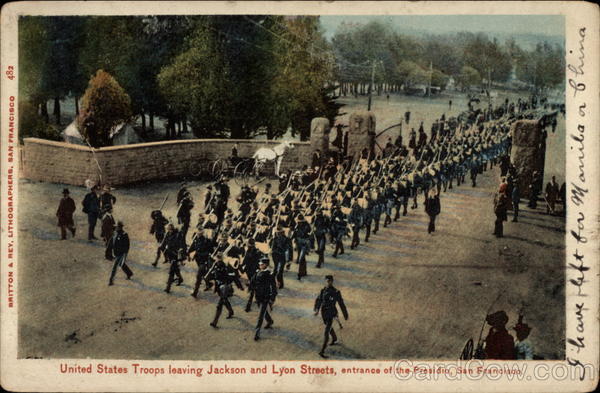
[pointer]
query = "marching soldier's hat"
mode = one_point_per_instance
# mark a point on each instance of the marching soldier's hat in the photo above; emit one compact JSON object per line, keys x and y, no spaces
{"x":264,"y":261}
{"x":251,"y":242}
{"x":65,"y":191}
{"x":300,"y":218}
{"x":219,"y":256}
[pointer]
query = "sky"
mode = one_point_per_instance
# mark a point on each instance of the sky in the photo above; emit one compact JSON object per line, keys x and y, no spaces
{"x":544,"y":25}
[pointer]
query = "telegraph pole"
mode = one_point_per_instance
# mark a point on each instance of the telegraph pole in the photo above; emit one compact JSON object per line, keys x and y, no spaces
{"x":371,"y":85}
{"x":430,"y":76}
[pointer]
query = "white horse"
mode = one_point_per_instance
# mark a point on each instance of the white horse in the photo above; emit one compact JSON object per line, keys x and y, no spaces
{"x":266,"y":154}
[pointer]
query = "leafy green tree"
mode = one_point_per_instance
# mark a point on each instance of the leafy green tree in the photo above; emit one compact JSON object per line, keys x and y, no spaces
{"x":543,"y":67}
{"x":33,"y":51}
{"x":104,"y":106}
{"x":438,"y":78}
{"x":468,"y":77}
{"x":195,"y":83}
{"x":301,"y":88}
{"x":33,"y":125}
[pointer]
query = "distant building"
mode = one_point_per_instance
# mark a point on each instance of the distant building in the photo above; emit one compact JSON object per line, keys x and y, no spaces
{"x":451,"y":85}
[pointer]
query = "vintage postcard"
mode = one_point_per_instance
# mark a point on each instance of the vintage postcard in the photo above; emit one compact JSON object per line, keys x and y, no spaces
{"x":299,"y":196}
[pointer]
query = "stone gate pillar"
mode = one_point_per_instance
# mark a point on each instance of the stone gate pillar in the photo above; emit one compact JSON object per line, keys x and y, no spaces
{"x":361,"y":133}
{"x":319,"y":136}
{"x":528,"y":151}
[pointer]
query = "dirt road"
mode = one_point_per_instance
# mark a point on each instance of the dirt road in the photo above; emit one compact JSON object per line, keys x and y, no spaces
{"x":409,"y":294}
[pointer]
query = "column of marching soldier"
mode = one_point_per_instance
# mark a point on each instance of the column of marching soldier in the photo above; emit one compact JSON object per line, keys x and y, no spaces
{"x":311,"y":208}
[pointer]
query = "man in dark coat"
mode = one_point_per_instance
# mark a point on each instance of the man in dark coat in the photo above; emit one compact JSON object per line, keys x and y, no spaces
{"x":223,"y":275}
{"x":202,"y":247}
{"x":368,"y":216}
{"x":280,"y":246}
{"x":327,"y":302}
{"x":117,"y":249}
{"x":173,"y":248}
{"x":250,"y":263}
{"x":158,"y":230}
{"x":107,"y":225}
{"x":321,"y":227}
{"x":184,"y":213}
{"x":516,"y":198}
{"x":263,"y":286}
{"x":498,"y":343}
{"x":432,"y":208}
{"x":91,"y":207}
{"x":501,"y":202}
{"x":339,"y":228}
{"x":355,"y":218}
{"x":302,"y":237}
{"x":65,"y":211}
{"x":107,"y":200}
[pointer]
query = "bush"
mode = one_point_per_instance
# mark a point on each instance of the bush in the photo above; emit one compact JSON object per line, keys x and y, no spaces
{"x":105,"y":105}
{"x":32,"y":125}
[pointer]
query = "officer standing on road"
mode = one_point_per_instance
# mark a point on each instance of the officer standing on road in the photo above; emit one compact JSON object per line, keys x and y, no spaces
{"x":118,"y":247}
{"x":263,"y":286}
{"x":327,"y":302}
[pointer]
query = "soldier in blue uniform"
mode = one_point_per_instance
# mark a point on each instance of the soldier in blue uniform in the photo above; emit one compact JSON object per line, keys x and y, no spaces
{"x":302,"y":237}
{"x":355,"y":219}
{"x":263,"y":286}
{"x":173,"y":248}
{"x":339,"y":228}
{"x":249,"y":266}
{"x":321,"y":226}
{"x":202,"y":247}
{"x":158,"y":230}
{"x":224,"y":275}
{"x":327,"y":302}
{"x":280,"y":246}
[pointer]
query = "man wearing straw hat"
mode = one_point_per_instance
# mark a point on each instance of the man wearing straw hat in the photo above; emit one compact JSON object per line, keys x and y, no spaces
{"x":117,"y":248}
{"x":65,"y":211}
